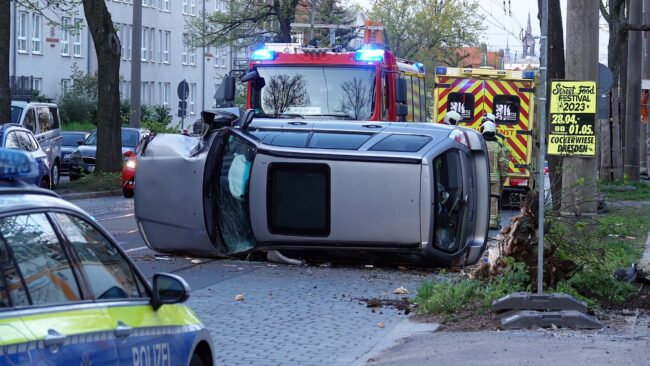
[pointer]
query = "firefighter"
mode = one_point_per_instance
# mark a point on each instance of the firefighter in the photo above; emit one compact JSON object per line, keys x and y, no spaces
{"x":452,"y":118}
{"x":498,"y":167}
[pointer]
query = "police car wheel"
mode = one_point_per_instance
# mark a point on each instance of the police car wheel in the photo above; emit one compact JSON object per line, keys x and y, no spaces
{"x":196,"y":360}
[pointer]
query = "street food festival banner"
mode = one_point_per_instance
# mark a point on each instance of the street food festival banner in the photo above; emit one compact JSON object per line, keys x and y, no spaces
{"x":573,"y":118}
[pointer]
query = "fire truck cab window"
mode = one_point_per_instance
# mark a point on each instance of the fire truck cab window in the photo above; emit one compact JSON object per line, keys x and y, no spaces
{"x":506,"y":109}
{"x":463,"y":103}
{"x":316,"y":92}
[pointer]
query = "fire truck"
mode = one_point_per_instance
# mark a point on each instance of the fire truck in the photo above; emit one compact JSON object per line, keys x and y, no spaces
{"x":507,"y":94}
{"x":370,"y":84}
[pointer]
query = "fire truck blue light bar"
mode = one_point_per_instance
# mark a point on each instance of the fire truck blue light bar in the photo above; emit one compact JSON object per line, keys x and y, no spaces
{"x":369,"y":55}
{"x":263,"y":55}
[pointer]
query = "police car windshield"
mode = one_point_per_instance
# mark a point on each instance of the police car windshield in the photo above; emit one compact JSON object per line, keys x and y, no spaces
{"x":15,"y":113}
{"x":315,"y":92}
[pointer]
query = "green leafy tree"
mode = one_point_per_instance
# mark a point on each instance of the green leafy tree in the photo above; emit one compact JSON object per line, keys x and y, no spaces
{"x":79,"y":103}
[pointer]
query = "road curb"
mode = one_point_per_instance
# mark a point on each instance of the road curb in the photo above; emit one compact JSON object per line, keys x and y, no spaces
{"x":404,"y":329}
{"x":84,"y":195}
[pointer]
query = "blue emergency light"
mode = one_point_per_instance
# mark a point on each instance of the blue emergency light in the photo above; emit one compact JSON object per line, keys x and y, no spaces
{"x":369,"y":55}
{"x":263,"y":55}
{"x":420,"y":66}
{"x":15,"y":164}
{"x":529,"y":74}
{"x":441,"y":70}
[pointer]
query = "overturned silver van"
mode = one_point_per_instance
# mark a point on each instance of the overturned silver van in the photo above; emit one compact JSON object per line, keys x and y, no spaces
{"x":413,"y":188}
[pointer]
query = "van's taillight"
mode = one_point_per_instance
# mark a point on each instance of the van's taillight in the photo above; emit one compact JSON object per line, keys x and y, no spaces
{"x":459,"y":136}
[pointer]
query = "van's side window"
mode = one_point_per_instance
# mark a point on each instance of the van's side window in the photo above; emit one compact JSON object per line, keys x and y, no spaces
{"x":55,"y":118}
{"x":30,"y":120}
{"x":45,"y":122}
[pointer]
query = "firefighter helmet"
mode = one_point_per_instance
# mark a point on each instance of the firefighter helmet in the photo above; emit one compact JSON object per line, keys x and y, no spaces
{"x":488,"y":127}
{"x":489,"y":117}
{"x":452,"y":118}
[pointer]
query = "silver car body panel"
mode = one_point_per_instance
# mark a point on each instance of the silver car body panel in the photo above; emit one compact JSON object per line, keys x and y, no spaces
{"x":379,"y":200}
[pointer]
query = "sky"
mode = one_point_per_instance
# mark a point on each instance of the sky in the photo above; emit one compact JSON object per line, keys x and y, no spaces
{"x":504,"y":28}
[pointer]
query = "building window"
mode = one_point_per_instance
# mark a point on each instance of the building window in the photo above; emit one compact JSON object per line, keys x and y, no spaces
{"x":144,"y":92}
{"x":166,"y":45}
{"x":145,"y":38}
{"x":161,"y":41}
{"x":21,"y":34}
{"x":127,"y":36}
{"x":192,"y":98}
{"x":36,"y":33}
{"x":165,"y":5}
{"x":152,"y":42}
{"x":65,"y":86}
{"x":192,"y":7}
{"x":186,"y":7}
{"x":224,"y":55}
{"x":76,"y":38}
{"x":126,"y":92}
{"x":185,"y":50}
{"x":37,"y":84}
{"x":192,"y":56}
{"x":164,"y":93}
{"x":65,"y":36}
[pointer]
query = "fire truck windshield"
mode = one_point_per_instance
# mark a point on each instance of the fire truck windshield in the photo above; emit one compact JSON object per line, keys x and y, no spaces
{"x":314,"y":92}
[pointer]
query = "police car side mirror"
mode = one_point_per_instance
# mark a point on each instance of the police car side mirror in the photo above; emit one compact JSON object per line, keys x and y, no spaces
{"x":168,"y":289}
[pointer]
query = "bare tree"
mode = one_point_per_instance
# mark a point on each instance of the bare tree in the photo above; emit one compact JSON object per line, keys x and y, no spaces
{"x":285,"y":92}
{"x":355,"y":100}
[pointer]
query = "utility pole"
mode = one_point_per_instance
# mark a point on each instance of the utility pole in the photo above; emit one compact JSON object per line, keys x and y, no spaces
{"x":136,"y":78}
{"x":579,"y":193}
{"x":633,"y":107}
{"x":645,"y":127}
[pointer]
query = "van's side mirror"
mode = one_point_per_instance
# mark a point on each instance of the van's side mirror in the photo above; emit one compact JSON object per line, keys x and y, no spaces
{"x":168,"y":289}
{"x":400,"y":96}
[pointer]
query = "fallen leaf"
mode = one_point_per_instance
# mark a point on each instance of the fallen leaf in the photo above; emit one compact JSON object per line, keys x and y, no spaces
{"x":368,"y":266}
{"x":380,"y":325}
{"x":630,"y":237}
{"x":196,"y":261}
{"x":239,"y":297}
{"x":401,"y":291}
{"x":162,"y":258}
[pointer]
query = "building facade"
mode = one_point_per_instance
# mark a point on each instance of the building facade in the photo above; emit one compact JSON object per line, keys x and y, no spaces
{"x":44,"y":55}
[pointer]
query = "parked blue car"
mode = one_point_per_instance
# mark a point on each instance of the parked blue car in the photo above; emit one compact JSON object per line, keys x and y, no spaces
{"x":13,"y":136}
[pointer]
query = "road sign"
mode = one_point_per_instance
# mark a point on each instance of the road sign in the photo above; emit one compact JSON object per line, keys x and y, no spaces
{"x":182,"y":104}
{"x":182,"y":113}
{"x":573,"y":116}
{"x":183,"y":90}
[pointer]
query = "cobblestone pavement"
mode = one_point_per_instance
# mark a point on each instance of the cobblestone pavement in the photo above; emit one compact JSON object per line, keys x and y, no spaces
{"x":290,"y":315}
{"x":299,"y":315}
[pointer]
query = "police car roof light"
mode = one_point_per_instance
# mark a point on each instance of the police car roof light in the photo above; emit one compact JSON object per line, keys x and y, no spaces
{"x":16,"y":164}
{"x":369,"y":55}
{"x":529,"y":74}
{"x":460,"y":137}
{"x":263,"y":55}
{"x":440,"y":70}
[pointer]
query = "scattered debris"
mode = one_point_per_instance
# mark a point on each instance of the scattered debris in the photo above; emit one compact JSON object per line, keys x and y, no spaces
{"x":368,"y":266}
{"x":196,"y":261}
{"x":401,"y":291}
{"x":162,"y":258}
{"x":239,"y":297}
{"x":326,"y":265}
{"x":276,"y":257}
{"x":380,"y":324}
{"x":403,"y":304}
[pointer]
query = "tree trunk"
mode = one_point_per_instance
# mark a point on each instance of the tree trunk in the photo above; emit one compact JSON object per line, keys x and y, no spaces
{"x":285,"y":30}
{"x":5,"y":87}
{"x":579,"y":173}
{"x":617,"y":149}
{"x":107,"y":48}
{"x":555,"y":65}
{"x":633,"y":97}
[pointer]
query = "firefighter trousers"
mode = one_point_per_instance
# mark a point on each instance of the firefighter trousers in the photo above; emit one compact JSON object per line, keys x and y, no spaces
{"x":495,"y":209}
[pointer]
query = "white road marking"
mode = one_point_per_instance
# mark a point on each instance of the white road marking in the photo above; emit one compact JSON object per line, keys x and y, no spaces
{"x":115,"y":217}
{"x":134,"y":249}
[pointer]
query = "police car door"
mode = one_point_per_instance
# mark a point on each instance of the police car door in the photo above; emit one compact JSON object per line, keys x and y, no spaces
{"x":70,"y":329}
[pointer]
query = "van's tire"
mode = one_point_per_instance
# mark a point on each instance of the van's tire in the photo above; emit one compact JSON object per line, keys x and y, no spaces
{"x":55,"y":173}
{"x":196,"y":360}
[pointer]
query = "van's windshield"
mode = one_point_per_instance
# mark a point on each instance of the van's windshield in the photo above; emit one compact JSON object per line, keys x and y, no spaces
{"x":314,"y":92}
{"x":15,"y":113}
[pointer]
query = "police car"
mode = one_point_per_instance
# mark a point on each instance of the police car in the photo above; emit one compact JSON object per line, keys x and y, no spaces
{"x":70,"y":296}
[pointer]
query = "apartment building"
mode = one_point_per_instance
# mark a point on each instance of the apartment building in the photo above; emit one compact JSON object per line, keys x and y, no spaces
{"x":44,"y":55}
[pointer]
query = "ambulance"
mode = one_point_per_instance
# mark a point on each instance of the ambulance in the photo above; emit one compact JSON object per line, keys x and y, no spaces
{"x":509,"y":95}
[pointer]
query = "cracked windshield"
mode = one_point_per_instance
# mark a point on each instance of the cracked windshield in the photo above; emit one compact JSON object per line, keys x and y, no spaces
{"x":312,"y":92}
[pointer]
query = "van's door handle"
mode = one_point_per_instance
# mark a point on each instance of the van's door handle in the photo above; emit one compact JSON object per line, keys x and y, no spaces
{"x":53,"y":338}
{"x":122,"y":330}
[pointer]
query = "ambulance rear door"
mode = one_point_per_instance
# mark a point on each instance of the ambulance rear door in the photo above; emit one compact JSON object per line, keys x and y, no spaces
{"x":460,"y":94}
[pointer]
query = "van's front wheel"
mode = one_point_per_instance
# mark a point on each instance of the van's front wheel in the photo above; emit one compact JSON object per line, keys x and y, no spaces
{"x":56,"y":175}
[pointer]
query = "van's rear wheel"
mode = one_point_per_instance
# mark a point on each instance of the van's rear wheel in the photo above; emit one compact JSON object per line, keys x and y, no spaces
{"x":56,"y":175}
{"x":196,"y":360}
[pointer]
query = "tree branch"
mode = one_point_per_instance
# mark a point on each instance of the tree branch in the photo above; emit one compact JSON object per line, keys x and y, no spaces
{"x":603,"y":11}
{"x":626,"y":27}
